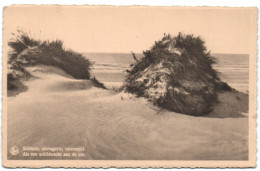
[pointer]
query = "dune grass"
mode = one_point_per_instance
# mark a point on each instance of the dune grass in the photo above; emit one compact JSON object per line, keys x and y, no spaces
{"x":49,"y":53}
{"x":27,"y":51}
{"x":193,"y":56}
{"x":177,"y":73}
{"x":192,"y":48}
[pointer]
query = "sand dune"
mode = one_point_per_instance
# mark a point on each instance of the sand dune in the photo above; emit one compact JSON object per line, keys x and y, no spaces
{"x":59,"y":111}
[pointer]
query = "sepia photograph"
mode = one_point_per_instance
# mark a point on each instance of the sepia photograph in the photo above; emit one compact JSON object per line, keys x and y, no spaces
{"x":136,"y":86}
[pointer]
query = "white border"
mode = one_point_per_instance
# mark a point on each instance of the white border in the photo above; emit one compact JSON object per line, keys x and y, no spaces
{"x":231,"y":3}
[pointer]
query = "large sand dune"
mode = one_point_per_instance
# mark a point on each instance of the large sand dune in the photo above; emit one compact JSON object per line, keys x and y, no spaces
{"x":59,"y":111}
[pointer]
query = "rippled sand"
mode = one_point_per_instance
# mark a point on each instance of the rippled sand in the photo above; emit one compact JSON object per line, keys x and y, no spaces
{"x":58,"y":111}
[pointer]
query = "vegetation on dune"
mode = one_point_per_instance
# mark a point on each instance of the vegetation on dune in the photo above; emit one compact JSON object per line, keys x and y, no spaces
{"x":27,"y":51}
{"x":177,"y":74}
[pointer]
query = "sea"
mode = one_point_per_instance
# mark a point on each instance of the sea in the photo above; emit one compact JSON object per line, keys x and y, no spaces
{"x":110,"y":68}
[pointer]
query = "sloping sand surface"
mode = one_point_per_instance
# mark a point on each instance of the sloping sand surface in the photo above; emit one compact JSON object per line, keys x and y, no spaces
{"x":59,"y":111}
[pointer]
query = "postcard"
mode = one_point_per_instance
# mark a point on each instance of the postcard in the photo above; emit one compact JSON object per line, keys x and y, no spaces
{"x":137,"y":86}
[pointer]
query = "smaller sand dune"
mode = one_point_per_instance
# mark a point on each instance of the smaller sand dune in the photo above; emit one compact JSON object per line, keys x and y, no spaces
{"x":42,"y":70}
{"x":53,"y":79}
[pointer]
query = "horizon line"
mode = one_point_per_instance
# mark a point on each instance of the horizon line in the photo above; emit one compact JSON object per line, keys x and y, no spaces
{"x":142,"y":52}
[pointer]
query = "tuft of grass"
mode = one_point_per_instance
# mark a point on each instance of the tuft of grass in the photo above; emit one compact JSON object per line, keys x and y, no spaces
{"x":48,"y":53}
{"x":97,"y":83}
{"x":177,"y":74}
{"x":193,"y":48}
{"x":194,"y":55}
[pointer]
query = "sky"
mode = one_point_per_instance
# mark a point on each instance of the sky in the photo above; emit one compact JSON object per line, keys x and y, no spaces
{"x":126,"y":29}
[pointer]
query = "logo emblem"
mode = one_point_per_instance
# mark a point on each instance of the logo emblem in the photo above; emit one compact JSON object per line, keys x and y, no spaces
{"x":14,"y":150}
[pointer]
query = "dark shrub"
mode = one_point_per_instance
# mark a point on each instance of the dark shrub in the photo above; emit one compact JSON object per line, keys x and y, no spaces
{"x":27,"y":51}
{"x":177,"y":74}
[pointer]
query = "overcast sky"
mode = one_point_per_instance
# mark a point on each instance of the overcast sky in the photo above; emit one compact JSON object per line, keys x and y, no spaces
{"x":132,"y":29}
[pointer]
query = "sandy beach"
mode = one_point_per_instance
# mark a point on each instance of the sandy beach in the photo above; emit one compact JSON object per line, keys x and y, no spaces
{"x":59,"y":111}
